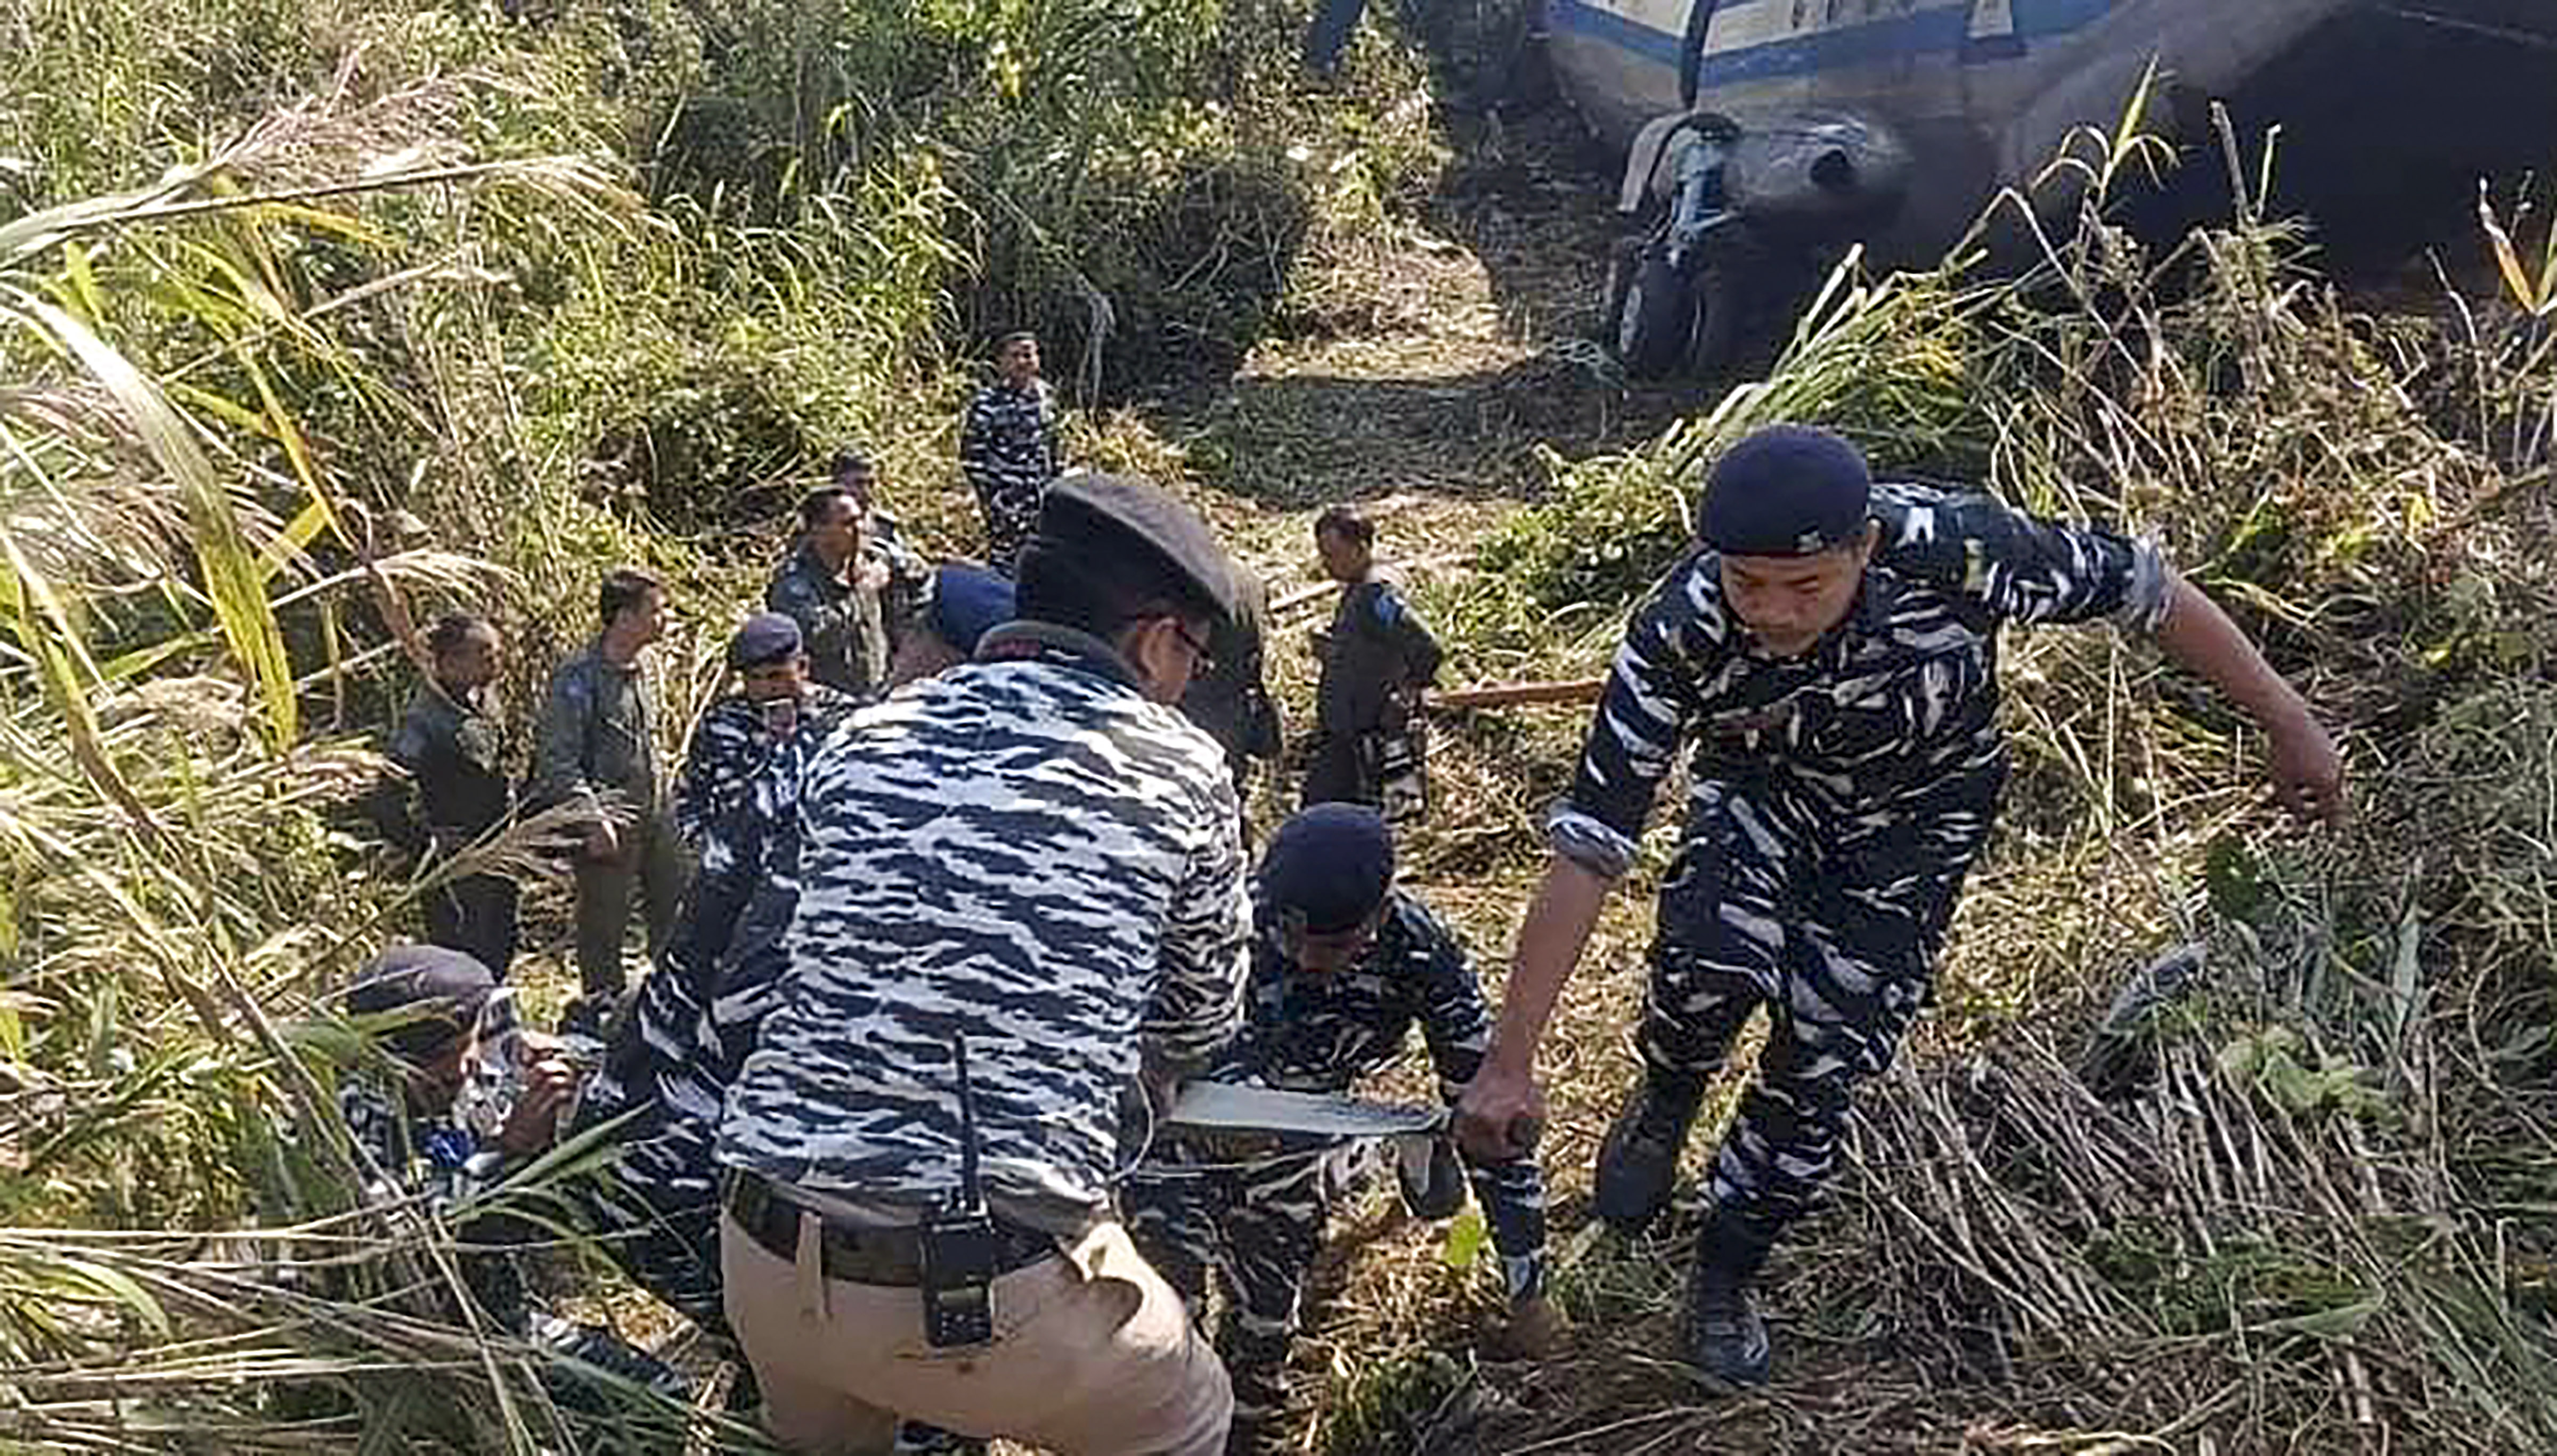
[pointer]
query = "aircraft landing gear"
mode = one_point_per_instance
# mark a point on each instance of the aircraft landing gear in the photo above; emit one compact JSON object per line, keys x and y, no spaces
{"x":1663,"y":322}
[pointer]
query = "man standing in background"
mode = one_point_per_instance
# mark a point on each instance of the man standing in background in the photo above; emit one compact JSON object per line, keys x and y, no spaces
{"x":596,"y":747}
{"x":451,"y":750}
{"x":1009,"y":448}
{"x":1376,"y":658}
{"x":834,"y":587}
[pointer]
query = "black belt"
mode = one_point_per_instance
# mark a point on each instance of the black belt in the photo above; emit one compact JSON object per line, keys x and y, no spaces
{"x":854,"y":1252}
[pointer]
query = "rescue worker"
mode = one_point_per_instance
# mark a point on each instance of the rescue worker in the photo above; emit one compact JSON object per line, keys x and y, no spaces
{"x":672,"y":1060}
{"x":836,"y":587}
{"x":1829,"y":657}
{"x":775,"y":703}
{"x":598,"y":748}
{"x":909,"y":576}
{"x":452,"y":789}
{"x":1011,"y":448}
{"x":1230,"y":697}
{"x":1377,"y":657}
{"x":443,"y":1019}
{"x":1030,"y":861}
{"x":1344,"y":965}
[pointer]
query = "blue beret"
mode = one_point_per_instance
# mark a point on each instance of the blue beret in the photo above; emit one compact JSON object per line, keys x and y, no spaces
{"x":1331,"y":863}
{"x":968,"y":602}
{"x":1785,"y":490}
{"x":767,"y":636}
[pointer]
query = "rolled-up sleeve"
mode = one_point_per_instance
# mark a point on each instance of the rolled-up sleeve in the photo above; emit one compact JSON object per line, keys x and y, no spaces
{"x":1652,"y":692}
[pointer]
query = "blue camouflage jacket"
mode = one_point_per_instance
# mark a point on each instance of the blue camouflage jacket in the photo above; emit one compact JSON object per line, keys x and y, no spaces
{"x":1894,"y":712}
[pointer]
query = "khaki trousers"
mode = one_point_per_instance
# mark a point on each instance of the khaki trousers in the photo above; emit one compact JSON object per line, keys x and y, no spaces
{"x":1093,"y":1355}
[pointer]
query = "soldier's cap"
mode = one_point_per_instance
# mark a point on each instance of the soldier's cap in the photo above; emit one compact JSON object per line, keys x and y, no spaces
{"x":768,"y":638}
{"x":1088,"y":514}
{"x":969,"y":602}
{"x":1330,"y":864}
{"x":1785,"y":490}
{"x":442,"y":991}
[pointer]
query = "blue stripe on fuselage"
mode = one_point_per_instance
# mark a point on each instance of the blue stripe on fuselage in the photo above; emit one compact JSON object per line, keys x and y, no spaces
{"x":1944,"y":28}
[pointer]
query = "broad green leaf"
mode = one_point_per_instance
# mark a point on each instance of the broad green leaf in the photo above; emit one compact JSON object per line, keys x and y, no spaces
{"x":1466,"y":1239}
{"x":36,"y":617}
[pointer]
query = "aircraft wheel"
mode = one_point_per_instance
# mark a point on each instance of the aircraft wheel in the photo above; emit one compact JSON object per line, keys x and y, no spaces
{"x":1655,"y":318}
{"x":1713,"y":345}
{"x":1624,"y":255}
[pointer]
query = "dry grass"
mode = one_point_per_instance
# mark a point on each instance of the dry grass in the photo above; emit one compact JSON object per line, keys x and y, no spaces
{"x":2327,"y":1228}
{"x":2324,"y":1227}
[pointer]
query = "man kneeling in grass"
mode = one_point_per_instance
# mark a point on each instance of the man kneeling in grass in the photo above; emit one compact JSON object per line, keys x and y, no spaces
{"x":1344,"y":966}
{"x":1829,"y":658}
{"x":468,"y":1098}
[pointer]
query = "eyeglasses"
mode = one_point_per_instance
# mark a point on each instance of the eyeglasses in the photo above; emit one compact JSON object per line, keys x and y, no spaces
{"x":1198,"y":649}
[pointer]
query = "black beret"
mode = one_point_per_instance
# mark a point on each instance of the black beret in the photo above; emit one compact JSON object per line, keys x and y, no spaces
{"x":1785,"y":490}
{"x":1331,"y":863}
{"x":767,"y":636}
{"x":444,"y":989}
{"x":1101,"y":514}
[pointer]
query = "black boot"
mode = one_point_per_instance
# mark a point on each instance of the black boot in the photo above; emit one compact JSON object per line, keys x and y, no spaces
{"x":1638,"y":1163}
{"x":1725,"y":1338}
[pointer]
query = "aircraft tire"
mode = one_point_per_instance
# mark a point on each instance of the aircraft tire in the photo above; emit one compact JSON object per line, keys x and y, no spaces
{"x":1624,"y":255}
{"x":1714,"y":339}
{"x":1654,"y":320}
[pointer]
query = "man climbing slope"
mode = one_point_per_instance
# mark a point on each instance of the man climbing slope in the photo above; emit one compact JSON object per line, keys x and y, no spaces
{"x":1829,"y":659}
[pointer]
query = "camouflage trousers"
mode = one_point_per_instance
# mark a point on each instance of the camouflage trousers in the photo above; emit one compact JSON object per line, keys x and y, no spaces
{"x":1010,"y":506}
{"x":1255,"y":1227}
{"x":1835,"y":929}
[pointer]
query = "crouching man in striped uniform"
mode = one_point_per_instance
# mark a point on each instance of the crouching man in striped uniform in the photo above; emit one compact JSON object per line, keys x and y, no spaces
{"x":1344,"y":966}
{"x":1829,"y":654}
{"x":1022,"y":882}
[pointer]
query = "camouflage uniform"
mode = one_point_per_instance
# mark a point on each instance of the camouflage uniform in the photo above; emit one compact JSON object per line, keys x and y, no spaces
{"x":1259,"y":1223}
{"x":1837,"y":800}
{"x":435,"y":1163}
{"x":731,"y":746}
{"x":654,"y":1209}
{"x":597,"y":738}
{"x":848,"y":630}
{"x":1009,"y":450}
{"x":1375,"y":651}
{"x":1027,"y":849}
{"x":452,"y":752}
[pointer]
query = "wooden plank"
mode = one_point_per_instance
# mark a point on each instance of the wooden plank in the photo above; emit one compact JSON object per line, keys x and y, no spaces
{"x":1521,"y":695}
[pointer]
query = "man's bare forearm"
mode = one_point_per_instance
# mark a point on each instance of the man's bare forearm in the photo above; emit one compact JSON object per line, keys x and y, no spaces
{"x":1550,"y":943}
{"x":2199,"y":637}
